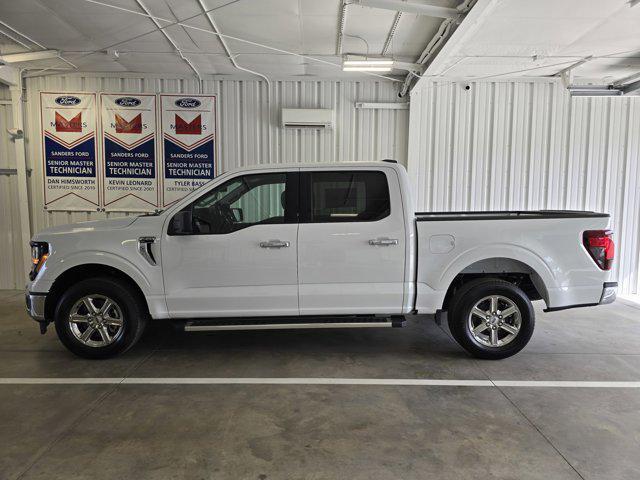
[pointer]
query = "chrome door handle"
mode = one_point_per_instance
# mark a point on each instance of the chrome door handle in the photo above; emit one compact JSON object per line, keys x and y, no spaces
{"x":383,"y":241}
{"x":274,"y":244}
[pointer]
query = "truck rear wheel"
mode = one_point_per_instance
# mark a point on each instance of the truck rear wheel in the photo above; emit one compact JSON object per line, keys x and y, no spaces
{"x":99,"y":318}
{"x":491,"y":318}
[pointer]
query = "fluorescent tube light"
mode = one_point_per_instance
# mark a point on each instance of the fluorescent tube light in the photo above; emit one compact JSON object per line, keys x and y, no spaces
{"x":593,"y":91}
{"x":366,"y":69}
{"x":29,"y":56}
{"x":368,"y":63}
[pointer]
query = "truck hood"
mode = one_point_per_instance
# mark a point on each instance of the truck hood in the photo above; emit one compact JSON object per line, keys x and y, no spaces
{"x":93,"y":226}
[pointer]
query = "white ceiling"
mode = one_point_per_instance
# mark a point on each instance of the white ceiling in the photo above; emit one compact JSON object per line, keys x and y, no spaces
{"x":542,"y":37}
{"x":504,"y":38}
{"x":309,"y":27}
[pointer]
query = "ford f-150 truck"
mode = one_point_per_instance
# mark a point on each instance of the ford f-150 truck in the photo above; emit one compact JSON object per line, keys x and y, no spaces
{"x":315,"y":246}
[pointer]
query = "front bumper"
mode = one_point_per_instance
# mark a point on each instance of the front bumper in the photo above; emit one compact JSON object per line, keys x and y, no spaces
{"x":35,"y":305}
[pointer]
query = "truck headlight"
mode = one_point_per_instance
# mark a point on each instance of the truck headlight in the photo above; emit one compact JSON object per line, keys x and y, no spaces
{"x":39,"y":254}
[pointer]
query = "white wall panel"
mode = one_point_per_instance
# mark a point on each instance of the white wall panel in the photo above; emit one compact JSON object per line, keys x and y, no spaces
{"x":529,"y":145}
{"x":249,"y":120}
{"x":12,"y":267}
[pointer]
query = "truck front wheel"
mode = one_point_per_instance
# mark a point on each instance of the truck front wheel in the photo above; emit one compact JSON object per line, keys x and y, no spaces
{"x":491,"y":318}
{"x":99,"y":318}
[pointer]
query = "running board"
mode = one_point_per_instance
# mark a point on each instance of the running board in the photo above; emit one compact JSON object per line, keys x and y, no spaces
{"x":218,"y":325}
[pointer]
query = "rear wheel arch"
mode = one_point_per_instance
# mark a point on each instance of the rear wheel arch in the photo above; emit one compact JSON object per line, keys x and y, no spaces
{"x":507,"y":269}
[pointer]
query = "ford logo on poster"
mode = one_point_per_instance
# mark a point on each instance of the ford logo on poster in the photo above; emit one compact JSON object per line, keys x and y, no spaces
{"x":187,"y":103}
{"x":127,"y":102}
{"x":67,"y":100}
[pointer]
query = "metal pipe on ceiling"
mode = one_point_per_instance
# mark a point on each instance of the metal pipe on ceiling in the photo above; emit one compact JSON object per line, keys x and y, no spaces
{"x":394,"y":28}
{"x":225,"y":46}
{"x":341,"y":25}
{"x":168,"y":37}
{"x":239,"y":39}
{"x":15,"y":39}
{"x":35,"y":42}
{"x":231,"y":57}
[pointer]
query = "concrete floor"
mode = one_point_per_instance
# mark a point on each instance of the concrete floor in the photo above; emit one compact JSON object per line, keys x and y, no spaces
{"x":324,"y":431}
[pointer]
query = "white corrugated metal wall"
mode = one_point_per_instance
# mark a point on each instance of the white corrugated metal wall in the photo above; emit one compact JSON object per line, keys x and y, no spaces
{"x":11,"y":264}
{"x":498,"y":145}
{"x":246,"y":120}
{"x":528,"y":145}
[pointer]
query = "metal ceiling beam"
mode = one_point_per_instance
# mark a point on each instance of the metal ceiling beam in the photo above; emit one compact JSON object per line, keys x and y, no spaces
{"x":6,"y":25}
{"x":341,"y":24}
{"x":430,"y":50}
{"x":392,"y":33}
{"x":411,"y":7}
{"x":627,"y":79}
{"x":566,"y":74}
{"x":630,"y":87}
{"x":15,"y":39}
{"x":209,"y":32}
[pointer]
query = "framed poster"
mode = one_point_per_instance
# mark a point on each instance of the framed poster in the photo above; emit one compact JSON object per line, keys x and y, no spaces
{"x":189,"y":142}
{"x":129,"y":152}
{"x":70,"y":174}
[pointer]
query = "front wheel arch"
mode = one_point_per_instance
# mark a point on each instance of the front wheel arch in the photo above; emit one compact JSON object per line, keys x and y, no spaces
{"x":84,"y":272}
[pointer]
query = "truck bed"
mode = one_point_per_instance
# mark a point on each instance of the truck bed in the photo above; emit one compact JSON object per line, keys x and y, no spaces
{"x":547,"y":245}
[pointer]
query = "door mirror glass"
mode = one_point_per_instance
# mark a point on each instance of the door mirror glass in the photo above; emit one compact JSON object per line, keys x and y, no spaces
{"x":181,"y":223}
{"x":237,"y":212}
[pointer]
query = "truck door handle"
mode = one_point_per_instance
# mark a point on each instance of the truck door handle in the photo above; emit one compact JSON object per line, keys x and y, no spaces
{"x":383,"y":242}
{"x":274,"y":244}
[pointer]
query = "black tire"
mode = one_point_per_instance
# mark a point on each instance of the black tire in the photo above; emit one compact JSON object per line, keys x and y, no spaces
{"x":473,"y":292}
{"x":132,"y":312}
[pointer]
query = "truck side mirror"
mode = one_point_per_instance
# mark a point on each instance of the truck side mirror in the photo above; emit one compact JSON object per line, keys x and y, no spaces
{"x":182,"y":223}
{"x":238,"y":213}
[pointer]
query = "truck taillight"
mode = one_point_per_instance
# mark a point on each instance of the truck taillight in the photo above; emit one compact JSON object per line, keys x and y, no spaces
{"x":600,"y":246}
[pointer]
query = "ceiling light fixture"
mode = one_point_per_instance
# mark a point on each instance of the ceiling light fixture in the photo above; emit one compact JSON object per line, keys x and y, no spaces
{"x":29,"y":56}
{"x":366,"y":69}
{"x":367,"y":65}
{"x":593,"y":91}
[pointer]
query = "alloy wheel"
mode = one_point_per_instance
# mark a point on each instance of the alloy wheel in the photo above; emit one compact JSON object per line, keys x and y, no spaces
{"x":494,"y":321}
{"x":96,"y":320}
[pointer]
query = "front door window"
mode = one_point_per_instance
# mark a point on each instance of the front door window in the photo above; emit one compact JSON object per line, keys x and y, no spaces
{"x":240,"y":203}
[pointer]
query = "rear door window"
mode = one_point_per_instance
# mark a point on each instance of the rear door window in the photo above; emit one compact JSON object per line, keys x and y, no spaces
{"x":345,"y":196}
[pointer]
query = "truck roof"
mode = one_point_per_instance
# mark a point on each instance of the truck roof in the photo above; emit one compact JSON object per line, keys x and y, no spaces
{"x":278,"y":166}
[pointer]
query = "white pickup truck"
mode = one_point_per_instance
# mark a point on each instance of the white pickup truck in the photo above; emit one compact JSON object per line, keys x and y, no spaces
{"x":315,"y":246}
